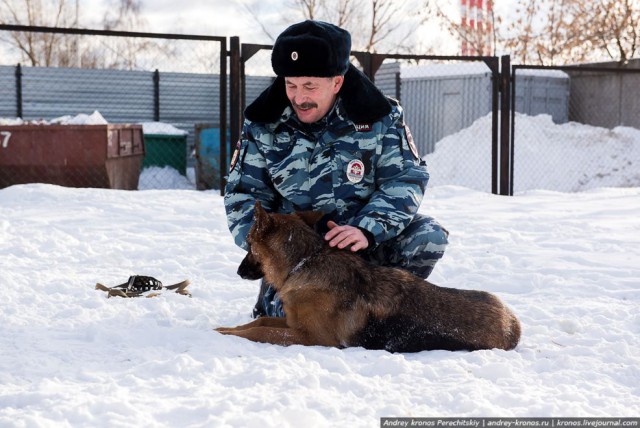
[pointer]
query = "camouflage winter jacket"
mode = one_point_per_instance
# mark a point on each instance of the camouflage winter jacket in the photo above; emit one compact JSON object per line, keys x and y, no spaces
{"x":358,"y":165}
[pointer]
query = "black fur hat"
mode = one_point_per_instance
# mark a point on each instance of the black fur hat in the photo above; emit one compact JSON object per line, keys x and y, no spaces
{"x":311,"y":48}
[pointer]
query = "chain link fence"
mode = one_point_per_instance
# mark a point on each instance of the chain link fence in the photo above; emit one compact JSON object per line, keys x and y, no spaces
{"x":142,"y":111}
{"x":449,"y":107}
{"x":133,"y":111}
{"x":582,"y":129}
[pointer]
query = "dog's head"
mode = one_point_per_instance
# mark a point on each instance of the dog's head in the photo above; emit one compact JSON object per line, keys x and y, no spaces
{"x":266,"y":225}
{"x":277,"y":235}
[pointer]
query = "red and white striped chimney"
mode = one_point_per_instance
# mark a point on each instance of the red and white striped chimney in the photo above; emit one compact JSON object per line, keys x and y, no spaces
{"x":476,"y":25}
{"x":465,"y":26}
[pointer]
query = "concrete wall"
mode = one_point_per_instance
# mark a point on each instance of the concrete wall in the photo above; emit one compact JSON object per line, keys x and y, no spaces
{"x":542,"y":92}
{"x":606,"y":99}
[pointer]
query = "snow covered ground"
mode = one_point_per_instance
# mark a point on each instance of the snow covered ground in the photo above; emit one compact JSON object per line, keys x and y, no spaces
{"x":566,"y":263}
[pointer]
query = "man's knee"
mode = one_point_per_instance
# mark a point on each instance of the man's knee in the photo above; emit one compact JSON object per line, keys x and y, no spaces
{"x":428,"y":243}
{"x":424,"y":234}
{"x":416,"y":249}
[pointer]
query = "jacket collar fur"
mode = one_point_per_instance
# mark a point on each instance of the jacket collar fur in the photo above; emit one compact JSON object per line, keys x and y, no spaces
{"x":362,"y":100}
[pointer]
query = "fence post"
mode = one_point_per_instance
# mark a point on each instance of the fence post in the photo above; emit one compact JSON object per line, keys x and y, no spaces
{"x":506,"y":152}
{"x":223,"y":116}
{"x":370,"y":62}
{"x":364,"y":58}
{"x":494,"y":65}
{"x":19,"y":91}
{"x":156,"y":95}
{"x":235,"y":104}
{"x":512,"y":131}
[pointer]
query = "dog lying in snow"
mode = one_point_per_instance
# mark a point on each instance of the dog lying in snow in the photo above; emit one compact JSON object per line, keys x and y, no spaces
{"x":333,"y":297}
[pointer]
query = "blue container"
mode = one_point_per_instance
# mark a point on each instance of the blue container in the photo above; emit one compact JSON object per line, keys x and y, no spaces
{"x":207,"y":140}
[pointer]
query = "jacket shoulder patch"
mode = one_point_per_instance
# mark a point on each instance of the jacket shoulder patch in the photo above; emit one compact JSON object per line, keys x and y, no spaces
{"x":234,"y":158}
{"x":363,"y":127}
{"x":412,"y":145}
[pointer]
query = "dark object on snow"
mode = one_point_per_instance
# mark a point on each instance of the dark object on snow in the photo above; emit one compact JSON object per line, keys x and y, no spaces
{"x":137,"y":285}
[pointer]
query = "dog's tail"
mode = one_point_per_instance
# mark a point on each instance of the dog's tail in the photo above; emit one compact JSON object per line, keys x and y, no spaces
{"x":512,"y":334}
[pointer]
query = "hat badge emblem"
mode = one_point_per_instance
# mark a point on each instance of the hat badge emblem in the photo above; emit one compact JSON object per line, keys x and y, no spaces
{"x":294,"y":55}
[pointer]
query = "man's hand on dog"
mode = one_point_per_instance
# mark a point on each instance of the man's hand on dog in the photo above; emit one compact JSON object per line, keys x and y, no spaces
{"x":345,"y":236}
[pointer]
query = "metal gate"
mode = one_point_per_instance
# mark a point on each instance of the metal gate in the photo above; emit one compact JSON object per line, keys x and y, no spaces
{"x":257,"y":59}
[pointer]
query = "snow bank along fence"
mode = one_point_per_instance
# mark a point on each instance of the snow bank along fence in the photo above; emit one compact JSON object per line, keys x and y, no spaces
{"x":606,"y":96}
{"x":201,"y":85}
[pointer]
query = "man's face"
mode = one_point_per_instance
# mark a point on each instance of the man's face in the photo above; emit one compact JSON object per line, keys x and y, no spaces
{"x":312,"y":97}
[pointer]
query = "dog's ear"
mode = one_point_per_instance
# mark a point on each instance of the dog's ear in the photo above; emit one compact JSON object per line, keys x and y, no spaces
{"x":261,"y":218}
{"x":310,"y":217}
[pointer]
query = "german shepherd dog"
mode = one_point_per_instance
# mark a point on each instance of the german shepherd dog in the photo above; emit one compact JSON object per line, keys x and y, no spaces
{"x":333,"y":297}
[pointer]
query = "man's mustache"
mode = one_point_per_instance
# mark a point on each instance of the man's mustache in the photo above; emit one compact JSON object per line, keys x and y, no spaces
{"x":304,"y":106}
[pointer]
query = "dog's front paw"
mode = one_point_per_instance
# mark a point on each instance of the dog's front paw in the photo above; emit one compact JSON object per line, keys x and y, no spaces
{"x":224,"y":330}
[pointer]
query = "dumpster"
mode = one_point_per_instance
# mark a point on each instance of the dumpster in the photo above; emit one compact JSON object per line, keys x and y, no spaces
{"x":166,"y":150}
{"x":104,"y":156}
{"x":207,"y":145}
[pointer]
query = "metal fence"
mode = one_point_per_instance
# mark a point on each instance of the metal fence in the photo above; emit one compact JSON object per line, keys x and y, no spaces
{"x":587,"y":136}
{"x":478,"y":122}
{"x":175,"y":86}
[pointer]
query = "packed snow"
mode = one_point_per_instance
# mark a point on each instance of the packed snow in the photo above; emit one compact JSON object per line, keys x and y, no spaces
{"x":95,"y":118}
{"x":160,"y":128}
{"x":166,"y":177}
{"x":455,"y":70}
{"x":569,"y":157}
{"x":566,"y":263}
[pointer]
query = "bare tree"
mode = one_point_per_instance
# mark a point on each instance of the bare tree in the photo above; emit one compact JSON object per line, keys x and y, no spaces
{"x":382,"y":22}
{"x":125,"y":15}
{"x":524,"y":35}
{"x":254,"y":14}
{"x":309,"y":8}
{"x":378,"y":25}
{"x":553,"y":32}
{"x":45,"y":49}
{"x":64,"y":50}
{"x":611,"y":26}
{"x":543,"y":32}
{"x":341,"y":13}
{"x":374,"y":24}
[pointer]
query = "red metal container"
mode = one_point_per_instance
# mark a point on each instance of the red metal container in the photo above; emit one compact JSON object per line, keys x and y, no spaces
{"x":106,"y":156}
